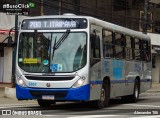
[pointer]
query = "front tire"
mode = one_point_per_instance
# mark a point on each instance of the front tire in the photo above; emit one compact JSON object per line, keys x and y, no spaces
{"x":45,"y":103}
{"x":104,"y":98}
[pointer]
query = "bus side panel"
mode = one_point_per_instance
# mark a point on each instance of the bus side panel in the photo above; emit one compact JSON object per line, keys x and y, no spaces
{"x":107,"y":71}
{"x":132,"y":70}
{"x":118,"y":77}
{"x":96,"y":82}
{"x":118,"y":71}
{"x":95,"y":69}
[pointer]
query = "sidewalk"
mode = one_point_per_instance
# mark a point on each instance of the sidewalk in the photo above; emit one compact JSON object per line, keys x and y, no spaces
{"x":155,"y":87}
{"x":7,"y":101}
{"x":5,"y":85}
{"x":8,"y":97}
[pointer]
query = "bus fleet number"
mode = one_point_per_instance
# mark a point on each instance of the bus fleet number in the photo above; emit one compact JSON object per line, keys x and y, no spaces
{"x":34,"y":24}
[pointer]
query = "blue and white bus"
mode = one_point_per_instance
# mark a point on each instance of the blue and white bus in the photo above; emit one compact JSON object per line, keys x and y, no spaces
{"x":80,"y":58}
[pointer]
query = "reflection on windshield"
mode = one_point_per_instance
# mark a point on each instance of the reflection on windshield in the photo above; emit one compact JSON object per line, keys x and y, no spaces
{"x":35,"y":55}
{"x":60,"y":41}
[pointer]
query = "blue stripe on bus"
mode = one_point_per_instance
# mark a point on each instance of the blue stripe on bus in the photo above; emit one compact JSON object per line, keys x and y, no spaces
{"x":73,"y":94}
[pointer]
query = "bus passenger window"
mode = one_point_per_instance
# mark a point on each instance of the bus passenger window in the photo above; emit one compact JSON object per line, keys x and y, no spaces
{"x":137,"y":51}
{"x":95,"y":46}
{"x":146,"y":51}
{"x":128,"y":49}
{"x":119,"y":46}
{"x":118,"y":39}
{"x":95,"y":49}
{"x":118,"y":52}
{"x":107,"y":44}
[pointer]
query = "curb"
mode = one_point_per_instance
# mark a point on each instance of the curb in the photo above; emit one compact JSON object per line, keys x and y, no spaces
{"x":151,"y":91}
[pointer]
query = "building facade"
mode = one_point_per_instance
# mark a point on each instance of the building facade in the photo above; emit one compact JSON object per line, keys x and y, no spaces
{"x":6,"y":53}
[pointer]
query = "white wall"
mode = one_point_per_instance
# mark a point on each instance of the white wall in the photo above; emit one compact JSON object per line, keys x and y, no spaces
{"x":7,"y":64}
{"x":8,"y":21}
{"x":1,"y":68}
{"x":156,"y":70}
{"x":155,"y":38}
{"x":4,"y":36}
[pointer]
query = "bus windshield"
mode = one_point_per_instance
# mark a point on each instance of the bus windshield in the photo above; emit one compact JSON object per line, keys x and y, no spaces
{"x":35,"y":52}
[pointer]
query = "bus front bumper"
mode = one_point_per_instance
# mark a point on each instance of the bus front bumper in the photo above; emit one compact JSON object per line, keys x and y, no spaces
{"x":72,"y":94}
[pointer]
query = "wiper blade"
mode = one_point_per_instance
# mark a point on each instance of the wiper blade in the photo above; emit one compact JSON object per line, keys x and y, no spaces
{"x":60,"y":41}
{"x":54,"y":47}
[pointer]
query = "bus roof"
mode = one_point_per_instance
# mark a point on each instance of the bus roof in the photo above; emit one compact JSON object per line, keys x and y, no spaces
{"x":101,"y":23}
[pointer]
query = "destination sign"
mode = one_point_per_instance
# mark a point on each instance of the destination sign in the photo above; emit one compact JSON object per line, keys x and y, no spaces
{"x":64,"y":23}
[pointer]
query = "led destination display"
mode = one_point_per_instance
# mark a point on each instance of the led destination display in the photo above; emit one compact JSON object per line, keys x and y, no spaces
{"x":63,"y":23}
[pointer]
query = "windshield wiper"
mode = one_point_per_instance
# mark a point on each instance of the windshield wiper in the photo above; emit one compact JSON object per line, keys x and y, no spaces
{"x":54,"y":47}
{"x":60,"y":41}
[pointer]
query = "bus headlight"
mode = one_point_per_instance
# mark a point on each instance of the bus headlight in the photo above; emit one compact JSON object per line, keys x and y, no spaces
{"x":79,"y":82}
{"x":21,"y":82}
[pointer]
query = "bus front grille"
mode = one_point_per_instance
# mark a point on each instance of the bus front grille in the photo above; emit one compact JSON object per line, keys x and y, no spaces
{"x":46,"y":78}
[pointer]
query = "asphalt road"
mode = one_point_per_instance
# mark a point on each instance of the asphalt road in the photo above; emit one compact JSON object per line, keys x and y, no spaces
{"x":148,"y":106}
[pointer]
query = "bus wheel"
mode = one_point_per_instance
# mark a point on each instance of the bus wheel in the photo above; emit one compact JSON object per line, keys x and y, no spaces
{"x":134,"y":98}
{"x":104,"y":98}
{"x":45,"y":103}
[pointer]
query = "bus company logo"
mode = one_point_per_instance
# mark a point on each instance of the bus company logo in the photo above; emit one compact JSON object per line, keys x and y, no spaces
{"x":48,"y":84}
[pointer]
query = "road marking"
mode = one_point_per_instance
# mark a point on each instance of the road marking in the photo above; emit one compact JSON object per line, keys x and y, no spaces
{"x":150,"y":116}
{"x":92,"y":116}
{"x":140,"y":105}
{"x":87,"y":116}
{"x":16,"y":105}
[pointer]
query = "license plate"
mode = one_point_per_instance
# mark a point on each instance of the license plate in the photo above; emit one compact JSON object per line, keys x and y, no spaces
{"x":48,"y":97}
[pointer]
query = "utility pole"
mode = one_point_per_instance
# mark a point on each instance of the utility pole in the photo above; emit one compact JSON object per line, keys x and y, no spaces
{"x":60,"y":7}
{"x":42,"y":12}
{"x":145,"y":17}
{"x":15,"y":48}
